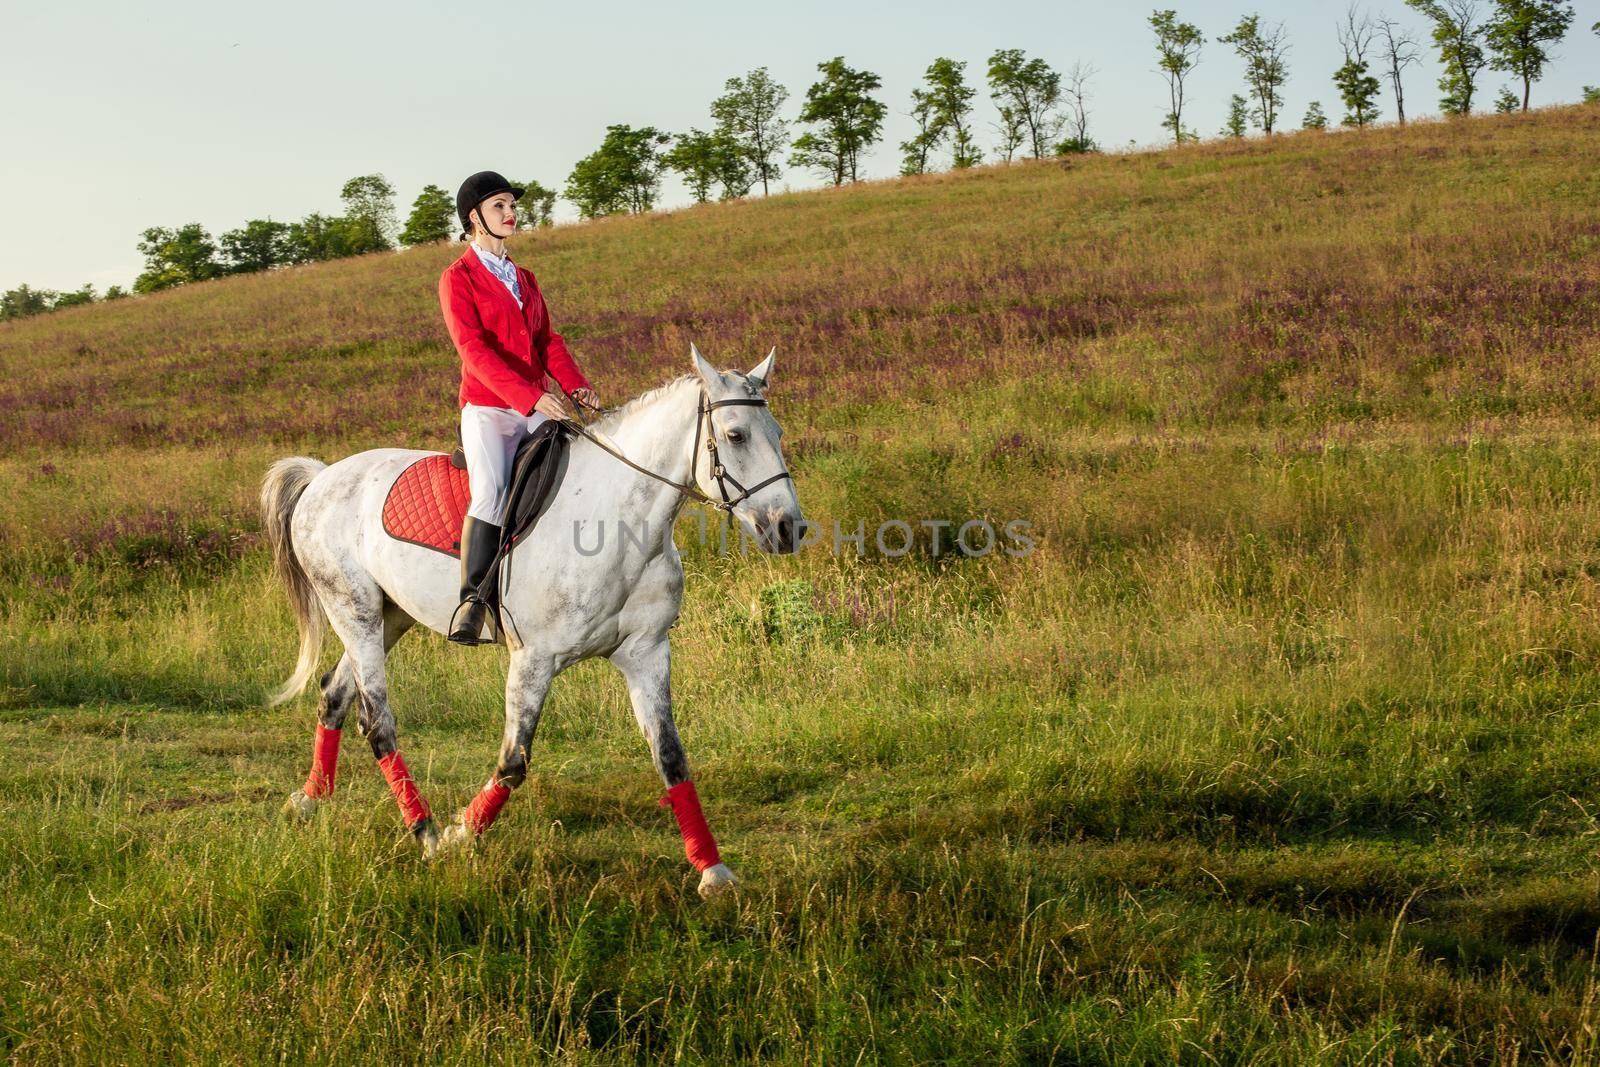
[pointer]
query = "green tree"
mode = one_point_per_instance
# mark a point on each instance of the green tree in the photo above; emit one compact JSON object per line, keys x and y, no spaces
{"x":1316,"y":118}
{"x":622,"y":175}
{"x":1238,"y":120}
{"x":432,"y":218}
{"x":708,"y":161}
{"x":942,"y":113}
{"x":1520,"y":37}
{"x":952,"y":105}
{"x":1177,"y":54}
{"x":116,"y":292}
{"x":23,"y":301}
{"x":915,"y":152}
{"x":747,"y":114}
{"x":74,"y":298}
{"x":537,"y":206}
{"x":845,"y":120}
{"x":259,"y":244}
{"x":1457,"y":34}
{"x":1012,"y":130}
{"x":319,"y":237}
{"x":1506,"y":102}
{"x":176,"y":257}
{"x":1031,"y":92}
{"x":1359,"y":91}
{"x":1265,"y":69}
{"x":369,"y":211}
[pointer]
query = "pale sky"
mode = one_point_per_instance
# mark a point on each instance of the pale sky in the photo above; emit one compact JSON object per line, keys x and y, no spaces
{"x":122,"y":116}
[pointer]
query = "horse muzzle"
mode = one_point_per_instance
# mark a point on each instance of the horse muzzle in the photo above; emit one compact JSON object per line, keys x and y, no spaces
{"x":779,"y":534}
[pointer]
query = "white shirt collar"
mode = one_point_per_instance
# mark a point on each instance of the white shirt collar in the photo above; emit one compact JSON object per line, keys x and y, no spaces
{"x":490,"y":257}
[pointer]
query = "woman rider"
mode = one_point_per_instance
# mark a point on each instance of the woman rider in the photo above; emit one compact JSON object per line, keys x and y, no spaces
{"x":501,"y":327}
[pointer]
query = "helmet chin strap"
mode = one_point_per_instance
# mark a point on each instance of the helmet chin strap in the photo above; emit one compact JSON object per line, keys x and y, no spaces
{"x":487,"y":228}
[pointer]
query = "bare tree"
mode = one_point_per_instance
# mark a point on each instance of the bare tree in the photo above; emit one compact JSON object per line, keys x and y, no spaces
{"x":1076,"y":95}
{"x":1356,"y":33}
{"x":1399,"y":52}
{"x":1357,"y":87}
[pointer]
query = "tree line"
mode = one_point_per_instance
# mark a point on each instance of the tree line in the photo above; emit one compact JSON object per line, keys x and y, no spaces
{"x":1516,"y":37}
{"x":1038,"y":112}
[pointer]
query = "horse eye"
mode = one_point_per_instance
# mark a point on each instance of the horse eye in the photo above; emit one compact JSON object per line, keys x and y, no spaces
{"x":735,"y":436}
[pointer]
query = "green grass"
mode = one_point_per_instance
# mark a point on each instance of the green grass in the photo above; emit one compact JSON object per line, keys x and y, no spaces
{"x":1281,"y":748}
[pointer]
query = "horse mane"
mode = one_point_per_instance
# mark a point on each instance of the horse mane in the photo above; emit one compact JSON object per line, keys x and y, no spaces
{"x":608,"y":418}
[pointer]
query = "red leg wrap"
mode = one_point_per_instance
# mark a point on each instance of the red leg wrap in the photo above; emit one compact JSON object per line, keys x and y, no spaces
{"x":412,"y":807}
{"x":485,"y":807}
{"x":324,"y":761}
{"x":698,"y":844}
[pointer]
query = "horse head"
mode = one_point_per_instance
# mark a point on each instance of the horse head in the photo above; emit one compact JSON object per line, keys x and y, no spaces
{"x":745,"y":452}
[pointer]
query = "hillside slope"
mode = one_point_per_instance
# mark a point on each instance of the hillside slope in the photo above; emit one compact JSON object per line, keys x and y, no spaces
{"x":1444,"y":267}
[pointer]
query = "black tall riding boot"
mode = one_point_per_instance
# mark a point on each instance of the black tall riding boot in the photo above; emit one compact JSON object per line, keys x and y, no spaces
{"x":479,"y":542}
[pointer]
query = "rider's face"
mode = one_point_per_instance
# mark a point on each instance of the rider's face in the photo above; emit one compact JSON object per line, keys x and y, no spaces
{"x":500,"y":214}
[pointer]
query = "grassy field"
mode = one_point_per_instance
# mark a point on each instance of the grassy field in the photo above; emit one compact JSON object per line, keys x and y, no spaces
{"x":1282,"y":747}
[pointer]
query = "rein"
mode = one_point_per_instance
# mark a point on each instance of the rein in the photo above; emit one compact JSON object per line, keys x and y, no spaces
{"x":718,"y":471}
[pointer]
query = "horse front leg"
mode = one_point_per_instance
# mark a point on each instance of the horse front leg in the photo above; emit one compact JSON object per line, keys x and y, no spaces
{"x":527,"y":684}
{"x":645,"y":664}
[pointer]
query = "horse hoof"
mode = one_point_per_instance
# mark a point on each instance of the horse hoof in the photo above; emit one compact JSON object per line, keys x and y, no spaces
{"x":427,"y":835}
{"x":715,"y":880}
{"x":299,"y":806}
{"x":455,"y":838}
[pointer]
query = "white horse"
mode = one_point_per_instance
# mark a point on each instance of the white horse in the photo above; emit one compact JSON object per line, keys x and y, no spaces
{"x":598,"y":575}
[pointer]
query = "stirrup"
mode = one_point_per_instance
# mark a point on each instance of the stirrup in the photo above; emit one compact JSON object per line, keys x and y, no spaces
{"x":463,"y":636}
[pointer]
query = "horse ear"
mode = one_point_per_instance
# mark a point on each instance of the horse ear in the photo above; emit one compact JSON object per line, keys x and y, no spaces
{"x":707,"y":372}
{"x":761,"y":375}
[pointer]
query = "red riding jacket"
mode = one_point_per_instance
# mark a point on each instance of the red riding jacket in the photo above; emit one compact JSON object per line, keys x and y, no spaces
{"x":505,"y":350}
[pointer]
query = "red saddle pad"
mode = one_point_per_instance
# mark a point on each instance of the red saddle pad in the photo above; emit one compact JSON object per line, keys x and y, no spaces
{"x":426,"y":505}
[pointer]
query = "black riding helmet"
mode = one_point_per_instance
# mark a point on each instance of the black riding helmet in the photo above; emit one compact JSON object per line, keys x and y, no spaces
{"x":478,"y":188}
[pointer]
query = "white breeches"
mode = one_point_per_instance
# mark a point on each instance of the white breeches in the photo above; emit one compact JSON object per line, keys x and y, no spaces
{"x":489,"y":437}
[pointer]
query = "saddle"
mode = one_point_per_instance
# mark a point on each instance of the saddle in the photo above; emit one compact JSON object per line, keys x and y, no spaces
{"x":428,"y":501}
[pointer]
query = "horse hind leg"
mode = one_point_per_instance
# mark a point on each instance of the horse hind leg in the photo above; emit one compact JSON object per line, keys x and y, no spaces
{"x":338,"y":688}
{"x":339,"y":693}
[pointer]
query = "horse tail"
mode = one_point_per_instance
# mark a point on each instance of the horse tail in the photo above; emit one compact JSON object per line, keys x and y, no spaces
{"x":280,"y":492}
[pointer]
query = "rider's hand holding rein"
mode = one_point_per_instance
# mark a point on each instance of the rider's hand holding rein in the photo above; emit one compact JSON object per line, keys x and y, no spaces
{"x":555,"y":405}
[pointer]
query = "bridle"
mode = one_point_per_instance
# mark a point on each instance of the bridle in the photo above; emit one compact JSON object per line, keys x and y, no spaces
{"x":718,"y":471}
